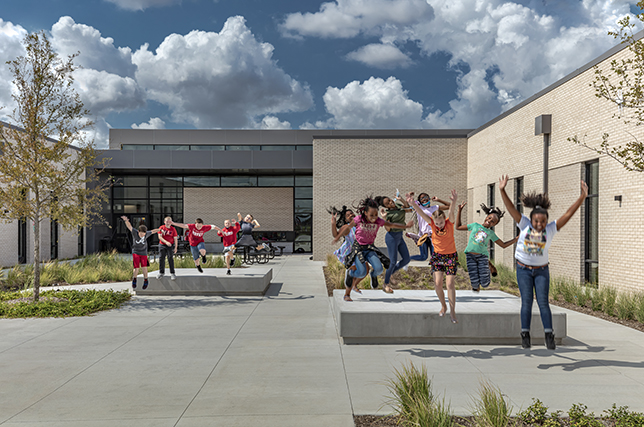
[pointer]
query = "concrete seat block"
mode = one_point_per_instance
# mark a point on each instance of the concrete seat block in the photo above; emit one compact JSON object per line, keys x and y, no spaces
{"x":411,"y":317}
{"x":213,"y":281}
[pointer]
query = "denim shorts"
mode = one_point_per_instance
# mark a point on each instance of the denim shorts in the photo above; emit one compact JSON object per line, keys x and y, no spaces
{"x":195,"y":250}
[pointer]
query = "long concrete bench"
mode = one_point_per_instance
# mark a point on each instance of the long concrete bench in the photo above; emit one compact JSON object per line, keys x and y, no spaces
{"x":411,"y":317}
{"x":213,"y":281}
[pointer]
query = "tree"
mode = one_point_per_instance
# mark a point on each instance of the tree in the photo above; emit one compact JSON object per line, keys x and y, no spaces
{"x":623,"y":86}
{"x":48,"y":168}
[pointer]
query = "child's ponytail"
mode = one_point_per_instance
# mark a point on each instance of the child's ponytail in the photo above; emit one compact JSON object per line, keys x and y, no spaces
{"x":492,"y":210}
{"x":364,"y":205}
{"x":341,"y":215}
{"x":538,"y":202}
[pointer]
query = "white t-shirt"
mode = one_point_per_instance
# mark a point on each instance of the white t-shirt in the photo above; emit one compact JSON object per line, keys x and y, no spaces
{"x":532,"y":246}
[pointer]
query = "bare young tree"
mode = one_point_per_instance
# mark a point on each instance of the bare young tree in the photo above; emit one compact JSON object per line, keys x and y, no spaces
{"x":623,"y":85}
{"x":48,"y":167}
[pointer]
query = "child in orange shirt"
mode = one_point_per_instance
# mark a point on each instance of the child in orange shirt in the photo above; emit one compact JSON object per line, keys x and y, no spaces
{"x":445,"y":258}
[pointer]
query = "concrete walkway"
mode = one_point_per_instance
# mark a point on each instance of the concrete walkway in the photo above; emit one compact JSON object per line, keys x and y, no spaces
{"x":276,"y":361}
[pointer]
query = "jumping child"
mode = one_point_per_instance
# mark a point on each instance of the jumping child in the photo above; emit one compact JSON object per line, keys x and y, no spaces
{"x":139,"y":250}
{"x":476,"y":252}
{"x":229,"y":238}
{"x":246,"y":240}
{"x":445,"y":258}
{"x":535,"y":237}
{"x":424,"y":238}
{"x":167,"y":236}
{"x":367,"y":224}
{"x":195,"y":238}
{"x":395,"y":211}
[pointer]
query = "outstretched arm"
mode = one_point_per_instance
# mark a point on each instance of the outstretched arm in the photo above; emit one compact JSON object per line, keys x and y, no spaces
{"x":396,"y":225}
{"x":418,"y":210}
{"x":127,"y":222}
{"x":571,"y":210}
{"x":178,"y":224}
{"x":506,"y":244}
{"x":155,"y":231}
{"x":459,"y":225}
{"x":256,"y":223}
{"x":452,"y":206}
{"x":512,"y":210}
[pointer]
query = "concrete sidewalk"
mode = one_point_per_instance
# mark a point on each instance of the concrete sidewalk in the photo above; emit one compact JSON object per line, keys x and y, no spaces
{"x":276,"y":361}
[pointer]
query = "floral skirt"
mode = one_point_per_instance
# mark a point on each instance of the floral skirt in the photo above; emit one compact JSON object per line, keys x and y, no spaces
{"x":445,"y":262}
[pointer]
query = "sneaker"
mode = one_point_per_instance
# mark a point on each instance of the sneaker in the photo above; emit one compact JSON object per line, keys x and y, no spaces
{"x":413,"y":237}
{"x":550,"y":341}
{"x":493,"y":271}
{"x":134,"y":283}
{"x":145,"y":284}
{"x":348,"y":280}
{"x":173,"y":277}
{"x":232,"y":261}
{"x":405,"y":268}
{"x":228,"y":272}
{"x":476,"y":290}
{"x":160,"y":275}
{"x":203,"y":259}
{"x":374,"y":283}
{"x":198,"y":268}
{"x":525,"y":340}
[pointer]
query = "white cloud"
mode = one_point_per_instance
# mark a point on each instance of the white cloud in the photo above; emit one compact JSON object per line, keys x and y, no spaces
{"x":372,"y":104}
{"x":385,"y":56}
{"x":96,"y":52}
{"x":11,"y":37}
{"x":103,"y":93}
{"x":143,"y":4}
{"x":153,"y":123}
{"x":223,"y":79}
{"x":348,"y":18}
{"x":511,"y":49}
{"x":272,"y":122}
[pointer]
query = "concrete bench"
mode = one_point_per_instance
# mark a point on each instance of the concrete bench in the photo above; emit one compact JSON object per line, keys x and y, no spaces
{"x":411,"y":317}
{"x":213,"y":281}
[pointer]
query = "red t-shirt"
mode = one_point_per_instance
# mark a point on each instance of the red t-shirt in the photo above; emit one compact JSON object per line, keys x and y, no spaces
{"x":196,"y":236}
{"x":168,"y":234}
{"x":229,"y":235}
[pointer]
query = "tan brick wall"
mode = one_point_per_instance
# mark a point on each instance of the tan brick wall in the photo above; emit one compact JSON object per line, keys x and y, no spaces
{"x":509,"y":146}
{"x":271,"y":207}
{"x":347,"y":170}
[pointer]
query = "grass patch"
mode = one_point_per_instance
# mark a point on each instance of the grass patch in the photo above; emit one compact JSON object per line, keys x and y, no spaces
{"x":492,"y":408}
{"x":60,"y":303}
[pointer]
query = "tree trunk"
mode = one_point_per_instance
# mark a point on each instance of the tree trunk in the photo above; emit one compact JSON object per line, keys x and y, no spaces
{"x":36,"y":256}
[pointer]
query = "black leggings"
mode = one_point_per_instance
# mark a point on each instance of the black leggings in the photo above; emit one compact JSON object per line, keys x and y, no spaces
{"x":163,"y":251}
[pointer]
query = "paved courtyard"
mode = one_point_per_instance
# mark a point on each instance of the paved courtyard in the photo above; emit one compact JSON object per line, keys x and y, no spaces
{"x":277,"y":361}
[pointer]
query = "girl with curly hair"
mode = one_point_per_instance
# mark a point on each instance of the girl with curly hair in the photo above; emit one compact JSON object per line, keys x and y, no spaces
{"x":535,"y":237}
{"x":476,"y":252}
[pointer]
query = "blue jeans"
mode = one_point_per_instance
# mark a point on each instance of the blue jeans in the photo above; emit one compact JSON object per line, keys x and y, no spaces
{"x":361,"y":269}
{"x":534,"y":281}
{"x":426,"y":249}
{"x":396,"y":244}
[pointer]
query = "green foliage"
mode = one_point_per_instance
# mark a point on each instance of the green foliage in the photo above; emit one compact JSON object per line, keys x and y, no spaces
{"x":625,"y":306}
{"x":492,"y":408}
{"x":537,"y":413}
{"x":219,"y":262}
{"x":568,"y":290}
{"x":639,"y":307}
{"x":622,"y":417}
{"x":579,"y":418}
{"x":60,"y":303}
{"x":610,"y":299}
{"x":597,"y":300}
{"x":583,"y":295}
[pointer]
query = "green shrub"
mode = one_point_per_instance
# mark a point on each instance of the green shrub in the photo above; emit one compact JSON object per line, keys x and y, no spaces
{"x":61,"y":303}
{"x":492,"y":408}
{"x":583,"y":295}
{"x":639,"y":307}
{"x":579,"y":418}
{"x":622,"y":417}
{"x":610,"y":299}
{"x":625,"y":306}
{"x":411,"y":393}
{"x":597,"y":300}
{"x":219,"y":262}
{"x":568,"y":291}
{"x":536,"y":413}
{"x":430,"y":414}
{"x":555,"y":289}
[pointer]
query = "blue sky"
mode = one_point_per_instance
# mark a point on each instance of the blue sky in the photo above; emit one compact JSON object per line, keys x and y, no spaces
{"x":344,"y":64}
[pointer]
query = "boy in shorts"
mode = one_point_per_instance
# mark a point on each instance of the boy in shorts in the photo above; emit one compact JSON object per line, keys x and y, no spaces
{"x":195,"y":238}
{"x":139,"y":250}
{"x":229,"y":238}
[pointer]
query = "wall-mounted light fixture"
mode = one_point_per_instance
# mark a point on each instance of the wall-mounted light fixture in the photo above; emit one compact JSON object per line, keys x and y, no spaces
{"x":478,"y":211}
{"x":619,"y":199}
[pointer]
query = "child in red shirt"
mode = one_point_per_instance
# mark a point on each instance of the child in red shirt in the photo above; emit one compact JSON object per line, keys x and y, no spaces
{"x":167,"y":236}
{"x":195,"y":238}
{"x":229,"y":238}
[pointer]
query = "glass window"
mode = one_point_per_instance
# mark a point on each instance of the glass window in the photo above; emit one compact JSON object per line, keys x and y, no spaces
{"x":133,"y":181}
{"x":129,"y":206}
{"x":304,"y":181}
{"x":304,"y":148}
{"x":303,"y":206}
{"x":166,"y":192}
{"x":242,"y":147}
{"x":165,"y":182}
{"x":278,"y":147}
{"x":136,"y":147}
{"x":303,"y":192}
{"x":172,"y":147}
{"x":275,"y":181}
{"x":201,"y":181}
{"x":130,"y":192}
{"x":207,"y":147}
{"x":238,"y":181}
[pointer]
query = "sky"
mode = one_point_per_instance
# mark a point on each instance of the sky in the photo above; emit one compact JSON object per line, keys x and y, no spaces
{"x":306,"y":64}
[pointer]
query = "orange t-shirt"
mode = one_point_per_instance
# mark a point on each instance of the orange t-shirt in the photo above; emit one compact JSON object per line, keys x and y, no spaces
{"x":443,"y":239}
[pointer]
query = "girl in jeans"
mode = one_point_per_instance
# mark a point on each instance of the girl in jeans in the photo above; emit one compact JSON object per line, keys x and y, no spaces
{"x":394,"y":212}
{"x":476,"y":252}
{"x":535,"y":237}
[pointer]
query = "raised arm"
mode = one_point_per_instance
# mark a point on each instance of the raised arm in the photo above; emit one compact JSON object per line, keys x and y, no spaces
{"x":458,"y":224}
{"x":127,"y":222}
{"x":239,"y":218}
{"x":452,"y":206}
{"x":334,"y":230}
{"x":256,"y":223}
{"x":418,"y":210}
{"x":512,"y":210}
{"x":346,"y":228}
{"x":571,"y":210}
